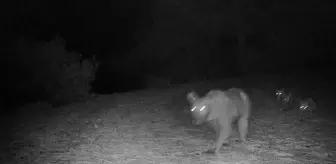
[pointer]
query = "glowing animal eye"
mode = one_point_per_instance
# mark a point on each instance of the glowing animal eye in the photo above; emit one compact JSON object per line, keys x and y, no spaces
{"x":193,"y":108}
{"x":202,"y":108}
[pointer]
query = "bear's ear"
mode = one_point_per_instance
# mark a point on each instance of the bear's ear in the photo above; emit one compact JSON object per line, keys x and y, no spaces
{"x":192,"y":97}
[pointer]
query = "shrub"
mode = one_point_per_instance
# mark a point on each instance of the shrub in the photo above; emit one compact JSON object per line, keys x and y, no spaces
{"x":157,"y":82}
{"x":53,"y":72}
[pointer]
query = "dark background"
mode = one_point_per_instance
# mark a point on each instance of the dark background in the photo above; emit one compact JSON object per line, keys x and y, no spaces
{"x":180,"y":40}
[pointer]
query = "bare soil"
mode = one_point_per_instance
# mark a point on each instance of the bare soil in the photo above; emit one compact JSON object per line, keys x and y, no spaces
{"x":153,"y":126}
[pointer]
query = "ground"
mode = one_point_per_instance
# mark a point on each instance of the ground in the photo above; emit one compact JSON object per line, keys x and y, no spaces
{"x":153,"y":126}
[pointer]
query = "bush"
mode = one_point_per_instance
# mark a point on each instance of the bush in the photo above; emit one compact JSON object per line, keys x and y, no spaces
{"x":52,"y":72}
{"x":157,"y":82}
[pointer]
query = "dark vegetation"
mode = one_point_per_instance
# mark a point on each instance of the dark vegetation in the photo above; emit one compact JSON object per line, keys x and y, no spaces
{"x":62,"y":51}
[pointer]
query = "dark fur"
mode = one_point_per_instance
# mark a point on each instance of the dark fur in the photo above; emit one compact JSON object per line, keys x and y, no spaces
{"x":284,"y":99}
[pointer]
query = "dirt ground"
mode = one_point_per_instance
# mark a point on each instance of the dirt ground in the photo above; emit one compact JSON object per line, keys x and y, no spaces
{"x":153,"y":126}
